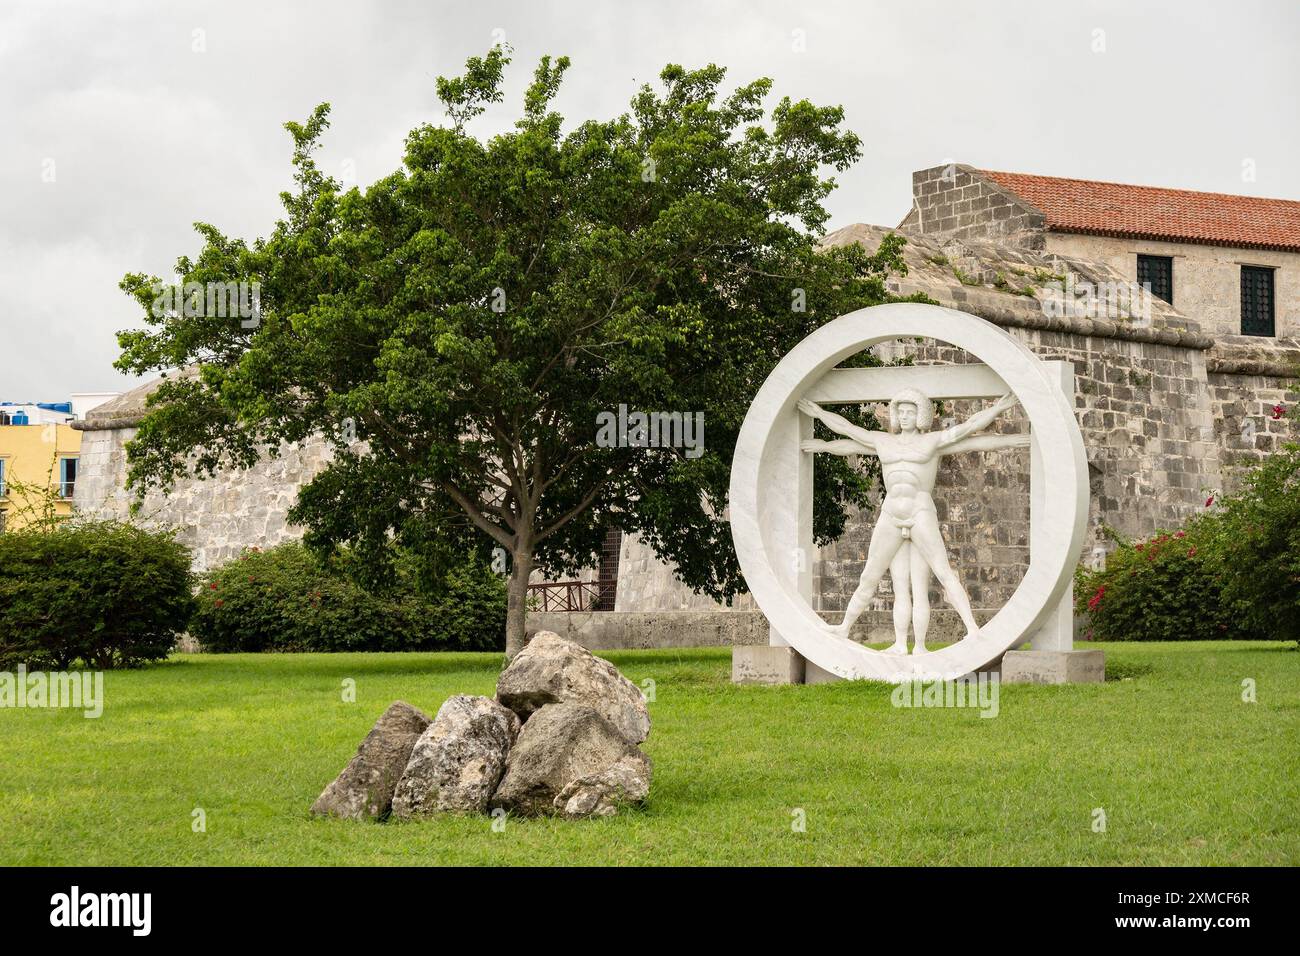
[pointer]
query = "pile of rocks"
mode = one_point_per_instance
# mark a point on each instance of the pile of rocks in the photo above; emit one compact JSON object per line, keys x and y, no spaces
{"x":560,"y":738}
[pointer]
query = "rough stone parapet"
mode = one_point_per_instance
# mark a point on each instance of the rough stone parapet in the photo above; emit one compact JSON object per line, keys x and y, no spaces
{"x":1006,"y":286}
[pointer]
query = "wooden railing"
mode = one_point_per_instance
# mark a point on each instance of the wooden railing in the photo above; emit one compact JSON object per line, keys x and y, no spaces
{"x":570,"y":595}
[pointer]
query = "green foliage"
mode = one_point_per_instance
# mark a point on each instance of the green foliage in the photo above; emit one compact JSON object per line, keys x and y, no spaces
{"x":470,"y":609}
{"x":287,"y":599}
{"x":1166,"y":588}
{"x":467,"y":317}
{"x":104,"y":593}
{"x":1261,"y":547}
{"x":1232,"y":572}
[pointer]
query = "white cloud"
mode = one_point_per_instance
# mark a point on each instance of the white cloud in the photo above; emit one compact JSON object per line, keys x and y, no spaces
{"x":148,"y":135}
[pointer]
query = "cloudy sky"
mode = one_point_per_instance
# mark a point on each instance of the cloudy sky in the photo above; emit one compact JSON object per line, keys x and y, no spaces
{"x":123,"y":123}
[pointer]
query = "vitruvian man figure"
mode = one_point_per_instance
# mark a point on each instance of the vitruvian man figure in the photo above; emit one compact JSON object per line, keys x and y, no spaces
{"x":906,"y":541}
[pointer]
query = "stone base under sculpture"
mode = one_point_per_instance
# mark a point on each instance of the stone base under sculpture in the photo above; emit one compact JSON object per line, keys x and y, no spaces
{"x":770,"y":664}
{"x":767,"y":664}
{"x":1053,"y":667}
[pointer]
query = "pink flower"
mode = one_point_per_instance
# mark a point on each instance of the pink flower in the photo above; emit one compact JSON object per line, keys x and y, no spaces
{"x":213,"y":585}
{"x":1209,"y":501}
{"x":1278,"y":411}
{"x":1191,"y":552}
{"x":1180,"y":534}
{"x":1095,"y":600}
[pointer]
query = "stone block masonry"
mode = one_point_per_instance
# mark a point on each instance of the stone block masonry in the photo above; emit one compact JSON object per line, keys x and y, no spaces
{"x":218,"y":517}
{"x":956,"y":200}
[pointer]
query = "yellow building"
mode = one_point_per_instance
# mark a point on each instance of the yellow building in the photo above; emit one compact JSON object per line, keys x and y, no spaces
{"x":41,"y":456}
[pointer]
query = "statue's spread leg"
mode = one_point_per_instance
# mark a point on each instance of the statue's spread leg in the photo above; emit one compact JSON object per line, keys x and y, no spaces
{"x":900,"y":577}
{"x":928,"y":540}
{"x":885,"y":540}
{"x":920,"y":577}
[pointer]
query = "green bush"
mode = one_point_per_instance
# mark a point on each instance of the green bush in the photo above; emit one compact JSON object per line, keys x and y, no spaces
{"x":1167,"y":588}
{"x":1232,"y":572}
{"x":1260,"y":552}
{"x":102,"y":592}
{"x":286,"y":599}
{"x":471,"y":610}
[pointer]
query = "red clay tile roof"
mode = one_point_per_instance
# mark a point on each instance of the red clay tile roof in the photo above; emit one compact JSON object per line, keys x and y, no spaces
{"x":1150,"y":212}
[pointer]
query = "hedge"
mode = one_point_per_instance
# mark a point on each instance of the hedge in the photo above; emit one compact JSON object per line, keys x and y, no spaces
{"x":105,"y":593}
{"x":287,"y":599}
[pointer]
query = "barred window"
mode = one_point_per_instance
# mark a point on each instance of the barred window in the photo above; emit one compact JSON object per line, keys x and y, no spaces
{"x":1157,"y":273}
{"x":1256,"y":301}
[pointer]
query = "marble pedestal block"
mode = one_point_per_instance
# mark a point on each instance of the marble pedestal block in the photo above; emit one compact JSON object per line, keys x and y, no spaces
{"x":766,"y":664}
{"x":812,"y":674}
{"x":1053,"y":667}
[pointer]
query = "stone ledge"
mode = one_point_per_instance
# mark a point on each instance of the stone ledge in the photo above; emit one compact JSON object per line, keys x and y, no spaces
{"x":648,"y":630}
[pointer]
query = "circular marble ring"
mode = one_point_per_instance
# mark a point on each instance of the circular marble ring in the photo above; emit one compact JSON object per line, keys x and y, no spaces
{"x":754,"y":495}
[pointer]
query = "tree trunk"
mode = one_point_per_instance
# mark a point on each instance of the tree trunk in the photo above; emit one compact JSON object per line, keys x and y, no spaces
{"x":521,"y":568}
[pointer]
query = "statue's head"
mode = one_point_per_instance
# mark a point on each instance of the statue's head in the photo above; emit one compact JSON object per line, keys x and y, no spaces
{"x":910,"y":406}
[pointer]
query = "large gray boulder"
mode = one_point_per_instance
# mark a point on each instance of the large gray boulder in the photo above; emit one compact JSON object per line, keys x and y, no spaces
{"x":458,"y":760}
{"x":601,"y":794}
{"x":553,"y":670}
{"x":365,"y":787}
{"x":558,"y":745}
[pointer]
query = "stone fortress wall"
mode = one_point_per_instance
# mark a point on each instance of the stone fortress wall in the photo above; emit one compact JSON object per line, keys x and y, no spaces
{"x":218,"y":517}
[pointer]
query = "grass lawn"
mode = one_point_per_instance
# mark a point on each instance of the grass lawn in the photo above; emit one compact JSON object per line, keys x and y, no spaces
{"x":1185,"y":771}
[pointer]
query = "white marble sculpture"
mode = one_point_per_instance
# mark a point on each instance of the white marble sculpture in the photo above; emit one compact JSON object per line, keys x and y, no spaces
{"x":771,"y":488}
{"x":906,"y":540}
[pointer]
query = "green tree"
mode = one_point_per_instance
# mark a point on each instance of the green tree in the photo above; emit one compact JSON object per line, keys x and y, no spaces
{"x":469,"y":316}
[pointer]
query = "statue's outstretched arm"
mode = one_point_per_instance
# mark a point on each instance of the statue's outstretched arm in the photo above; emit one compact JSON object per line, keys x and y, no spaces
{"x":840,"y":425}
{"x":977,"y":422}
{"x":988,"y":443}
{"x":843,"y":446}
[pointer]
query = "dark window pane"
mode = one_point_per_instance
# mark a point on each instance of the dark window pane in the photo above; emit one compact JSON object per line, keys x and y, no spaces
{"x":67,"y":477}
{"x":1158,"y":273}
{"x":1256,"y":301}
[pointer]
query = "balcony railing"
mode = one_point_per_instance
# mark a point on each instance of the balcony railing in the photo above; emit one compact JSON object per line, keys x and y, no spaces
{"x":571,"y":595}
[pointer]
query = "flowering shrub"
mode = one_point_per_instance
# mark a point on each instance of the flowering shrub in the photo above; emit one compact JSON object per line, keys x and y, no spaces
{"x":1232,"y":572}
{"x":285,"y":599}
{"x":1167,"y":588}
